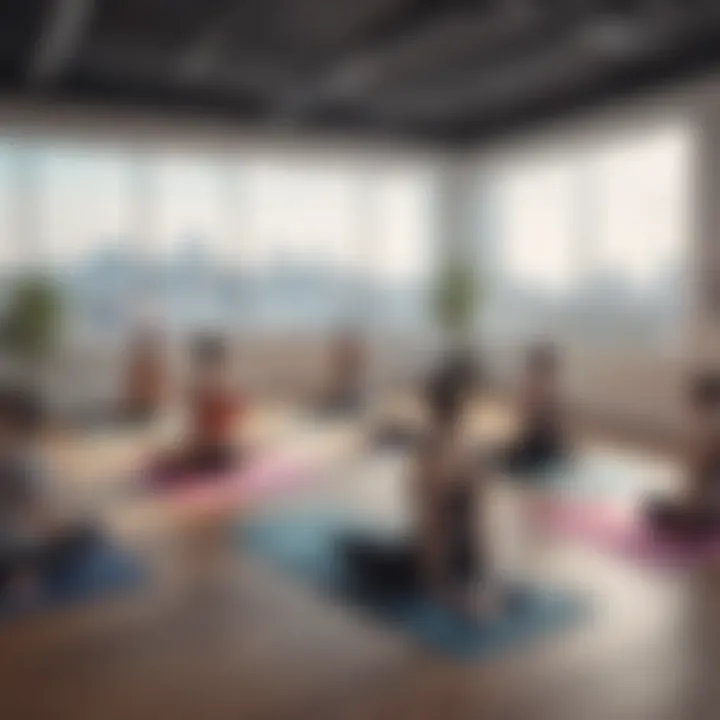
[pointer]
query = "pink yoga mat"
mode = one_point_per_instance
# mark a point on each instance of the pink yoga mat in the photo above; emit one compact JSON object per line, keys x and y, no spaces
{"x":623,"y":531}
{"x":259,"y":479}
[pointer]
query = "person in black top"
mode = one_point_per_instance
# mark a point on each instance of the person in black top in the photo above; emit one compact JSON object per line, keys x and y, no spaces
{"x":697,"y":513}
{"x":36,"y":537}
{"x":542,"y":438}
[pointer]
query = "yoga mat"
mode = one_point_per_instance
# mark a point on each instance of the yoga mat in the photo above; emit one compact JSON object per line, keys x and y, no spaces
{"x":97,"y":572}
{"x":623,"y":531}
{"x":306,"y":546}
{"x":596,"y":474}
{"x":259,"y":479}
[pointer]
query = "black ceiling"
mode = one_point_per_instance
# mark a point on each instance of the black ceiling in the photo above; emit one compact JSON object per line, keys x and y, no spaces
{"x":442,"y":70}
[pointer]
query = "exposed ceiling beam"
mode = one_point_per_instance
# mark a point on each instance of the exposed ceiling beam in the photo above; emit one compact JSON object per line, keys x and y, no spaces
{"x":443,"y":36}
{"x":520,"y":78}
{"x":59,"y":39}
{"x":152,"y":67}
{"x":203,"y":56}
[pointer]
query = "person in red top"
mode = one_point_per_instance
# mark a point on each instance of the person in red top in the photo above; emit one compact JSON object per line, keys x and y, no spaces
{"x":214,"y":411}
{"x":215,"y":408}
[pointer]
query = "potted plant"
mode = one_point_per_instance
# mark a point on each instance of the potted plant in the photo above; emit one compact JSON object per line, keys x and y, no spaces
{"x":455,"y":302}
{"x":30,"y":325}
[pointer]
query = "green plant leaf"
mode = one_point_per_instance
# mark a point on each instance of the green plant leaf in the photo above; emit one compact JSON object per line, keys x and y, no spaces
{"x":456,"y":296}
{"x":30,"y":326}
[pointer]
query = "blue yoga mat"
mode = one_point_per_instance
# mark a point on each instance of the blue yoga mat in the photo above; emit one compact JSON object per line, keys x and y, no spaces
{"x":306,"y":546}
{"x":97,"y":572}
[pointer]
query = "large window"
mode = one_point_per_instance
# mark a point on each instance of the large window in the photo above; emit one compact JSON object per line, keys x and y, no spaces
{"x":190,"y":246}
{"x":18,"y":209}
{"x":301,"y":248}
{"x":399,"y":250}
{"x":537,"y":252}
{"x":536,"y":265}
{"x":275,"y":242}
{"x":6,"y":224}
{"x":637,"y":257}
{"x":82,"y":230}
{"x":591,"y":243}
{"x":9,"y":254}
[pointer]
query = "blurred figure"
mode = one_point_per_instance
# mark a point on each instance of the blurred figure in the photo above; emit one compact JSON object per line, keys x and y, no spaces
{"x":214,"y":410}
{"x":698,"y":512}
{"x":35,"y":537}
{"x":146,"y":378}
{"x":396,"y":434}
{"x":346,"y":373}
{"x":446,"y":556}
{"x":542,"y":438}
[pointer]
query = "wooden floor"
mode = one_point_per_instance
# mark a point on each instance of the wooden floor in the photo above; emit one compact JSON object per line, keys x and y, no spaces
{"x":253,"y":644}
